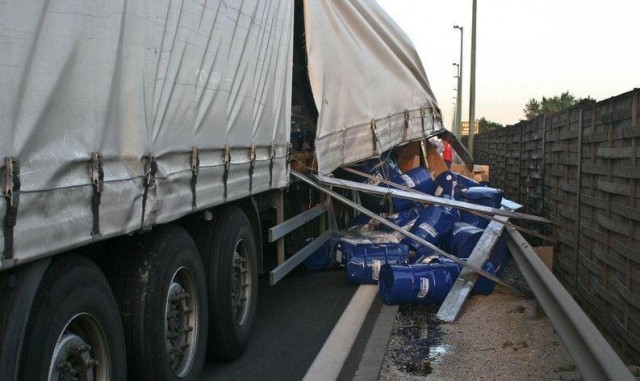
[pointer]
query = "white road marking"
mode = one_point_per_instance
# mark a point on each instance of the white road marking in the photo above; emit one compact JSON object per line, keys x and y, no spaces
{"x":328,"y":364}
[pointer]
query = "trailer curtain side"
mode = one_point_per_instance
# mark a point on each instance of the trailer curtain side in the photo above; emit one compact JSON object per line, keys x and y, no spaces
{"x":363,"y":68}
{"x":184,"y":105}
{"x":130,"y":80}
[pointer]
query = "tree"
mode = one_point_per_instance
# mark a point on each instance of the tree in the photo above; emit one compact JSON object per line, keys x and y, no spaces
{"x":531,"y":109}
{"x":485,"y":125}
{"x":548,"y":106}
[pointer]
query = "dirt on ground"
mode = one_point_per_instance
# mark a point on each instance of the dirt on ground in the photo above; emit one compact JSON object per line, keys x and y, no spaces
{"x":501,"y":336}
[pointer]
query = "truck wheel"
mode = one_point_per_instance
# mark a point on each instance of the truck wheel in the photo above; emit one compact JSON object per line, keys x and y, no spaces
{"x":228,"y":247}
{"x":159,"y":282}
{"x":18,"y":288}
{"x":74,"y":329}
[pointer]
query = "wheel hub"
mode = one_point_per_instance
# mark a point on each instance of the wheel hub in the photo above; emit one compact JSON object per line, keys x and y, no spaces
{"x":180,"y":322}
{"x":241,"y":284}
{"x":73,"y":357}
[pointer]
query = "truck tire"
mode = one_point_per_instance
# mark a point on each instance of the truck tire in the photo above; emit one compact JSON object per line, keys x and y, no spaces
{"x":74,"y":329}
{"x":18,"y":288}
{"x":228,"y":248}
{"x":160,"y":285}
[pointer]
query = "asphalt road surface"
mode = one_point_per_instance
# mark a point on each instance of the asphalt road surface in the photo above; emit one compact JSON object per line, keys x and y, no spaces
{"x":294,"y":319}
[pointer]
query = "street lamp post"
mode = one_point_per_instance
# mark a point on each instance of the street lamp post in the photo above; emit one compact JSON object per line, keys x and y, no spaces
{"x":458,"y":118}
{"x":453,"y":113}
{"x":472,"y":92}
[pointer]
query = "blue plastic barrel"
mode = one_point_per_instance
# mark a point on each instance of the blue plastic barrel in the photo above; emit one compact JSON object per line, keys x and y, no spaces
{"x":385,"y":169}
{"x":463,"y":182}
{"x":418,"y":179}
{"x":473,"y":219}
{"x":404,"y":217}
{"x":425,"y":283}
{"x":455,"y":213}
{"x":320,"y":259}
{"x":453,"y":184}
{"x":485,"y":196}
{"x":483,"y":286}
{"x":500,"y":255}
{"x":433,"y":224}
{"x":422,"y":255}
{"x":363,"y":261}
{"x":491,"y":197}
{"x":447,"y":181}
{"x":464,"y":238}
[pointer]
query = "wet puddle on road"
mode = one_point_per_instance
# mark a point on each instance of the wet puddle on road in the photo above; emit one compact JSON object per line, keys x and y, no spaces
{"x":417,"y":341}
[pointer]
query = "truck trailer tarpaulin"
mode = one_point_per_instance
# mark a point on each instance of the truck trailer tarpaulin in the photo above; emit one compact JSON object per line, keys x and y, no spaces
{"x":136,"y":98}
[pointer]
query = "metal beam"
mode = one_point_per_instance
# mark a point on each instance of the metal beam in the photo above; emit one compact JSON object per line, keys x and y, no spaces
{"x":591,"y":353}
{"x":385,"y":191}
{"x":295,"y":222}
{"x":508,"y":204}
{"x":279,"y":272}
{"x":452,"y":305}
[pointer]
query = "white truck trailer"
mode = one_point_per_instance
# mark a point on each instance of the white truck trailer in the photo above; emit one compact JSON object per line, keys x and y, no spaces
{"x":142,"y":140}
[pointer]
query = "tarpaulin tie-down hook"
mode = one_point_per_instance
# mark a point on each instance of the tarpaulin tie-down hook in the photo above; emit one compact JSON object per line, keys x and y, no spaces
{"x":344,"y":141}
{"x":150,"y":169}
{"x":195,"y":168}
{"x":376,"y":139}
{"x":422,"y":112}
{"x":386,"y":199}
{"x":272,"y":156}
{"x":226,"y":160}
{"x":252,"y":165}
{"x":436,"y":114}
{"x":406,"y":125}
{"x":97,"y":181}
{"x":12,"y":195}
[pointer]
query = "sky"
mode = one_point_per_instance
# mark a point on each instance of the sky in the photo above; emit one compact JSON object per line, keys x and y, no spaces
{"x":524,"y":49}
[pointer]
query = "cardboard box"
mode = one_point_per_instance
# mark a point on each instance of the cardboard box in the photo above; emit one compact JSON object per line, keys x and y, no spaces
{"x":461,"y":169}
{"x":435,"y":163}
{"x":480,"y":172}
{"x":546,"y":255}
{"x":409,"y":156}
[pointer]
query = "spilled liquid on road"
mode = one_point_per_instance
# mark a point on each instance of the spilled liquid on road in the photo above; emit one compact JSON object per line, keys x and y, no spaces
{"x":419,"y":343}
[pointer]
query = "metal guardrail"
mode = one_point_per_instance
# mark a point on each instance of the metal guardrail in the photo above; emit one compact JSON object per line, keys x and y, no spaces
{"x":594,"y":357}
